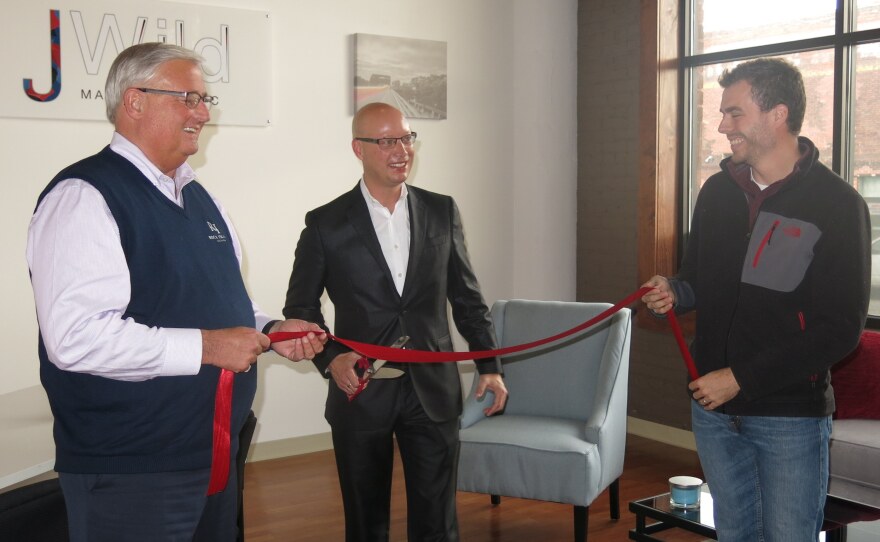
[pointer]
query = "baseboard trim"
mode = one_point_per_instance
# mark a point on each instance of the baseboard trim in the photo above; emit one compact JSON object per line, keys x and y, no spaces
{"x":661,"y":433}
{"x":276,"y":449}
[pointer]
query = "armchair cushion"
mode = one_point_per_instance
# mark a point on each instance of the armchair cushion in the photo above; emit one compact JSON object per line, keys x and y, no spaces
{"x":855,"y":461}
{"x":544,"y":447}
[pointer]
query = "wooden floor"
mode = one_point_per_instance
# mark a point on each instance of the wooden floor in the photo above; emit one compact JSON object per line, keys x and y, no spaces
{"x":298,"y":499}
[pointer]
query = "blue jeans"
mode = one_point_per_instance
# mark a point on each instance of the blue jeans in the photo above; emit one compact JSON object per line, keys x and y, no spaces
{"x":768,"y":476}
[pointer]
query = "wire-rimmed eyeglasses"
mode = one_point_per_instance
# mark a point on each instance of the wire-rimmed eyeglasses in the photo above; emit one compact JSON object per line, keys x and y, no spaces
{"x":391,"y":142}
{"x":191,"y":99}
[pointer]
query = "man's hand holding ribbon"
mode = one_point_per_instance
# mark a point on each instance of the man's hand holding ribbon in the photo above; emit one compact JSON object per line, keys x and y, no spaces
{"x":236,"y":349}
{"x":711,"y":390}
{"x":306,"y":347}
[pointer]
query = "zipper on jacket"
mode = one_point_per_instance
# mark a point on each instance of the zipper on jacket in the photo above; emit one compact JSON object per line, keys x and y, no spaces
{"x":802,"y":320}
{"x":764,"y":243}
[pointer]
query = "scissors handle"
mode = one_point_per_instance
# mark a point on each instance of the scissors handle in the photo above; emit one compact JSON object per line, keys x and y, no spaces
{"x":374,"y":368}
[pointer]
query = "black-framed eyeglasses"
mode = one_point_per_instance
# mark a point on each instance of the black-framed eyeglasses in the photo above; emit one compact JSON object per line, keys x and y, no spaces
{"x":391,"y":142}
{"x":191,"y":99}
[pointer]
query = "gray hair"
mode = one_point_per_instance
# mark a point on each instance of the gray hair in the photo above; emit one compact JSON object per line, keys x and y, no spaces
{"x":137,"y":65}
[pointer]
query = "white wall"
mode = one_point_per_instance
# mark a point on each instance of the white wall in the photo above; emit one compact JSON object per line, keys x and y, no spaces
{"x":506,"y":153}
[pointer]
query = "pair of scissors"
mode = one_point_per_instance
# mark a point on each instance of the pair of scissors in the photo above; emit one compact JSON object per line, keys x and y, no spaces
{"x":378,"y":370}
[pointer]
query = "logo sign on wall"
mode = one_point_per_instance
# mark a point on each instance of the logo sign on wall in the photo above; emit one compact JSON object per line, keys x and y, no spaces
{"x":54,"y":56}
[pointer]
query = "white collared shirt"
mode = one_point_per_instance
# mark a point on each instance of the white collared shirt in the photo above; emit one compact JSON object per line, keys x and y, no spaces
{"x":82,"y":287}
{"x":392,"y":229}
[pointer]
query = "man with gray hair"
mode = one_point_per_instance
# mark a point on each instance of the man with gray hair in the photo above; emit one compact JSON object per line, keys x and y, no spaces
{"x":145,"y":323}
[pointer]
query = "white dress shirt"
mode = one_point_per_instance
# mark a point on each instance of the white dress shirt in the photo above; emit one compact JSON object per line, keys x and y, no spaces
{"x":82,"y":288}
{"x":393,"y":232}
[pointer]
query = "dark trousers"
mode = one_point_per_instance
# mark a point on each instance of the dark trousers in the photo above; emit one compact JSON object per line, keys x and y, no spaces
{"x":150,"y":507}
{"x":429,"y":452}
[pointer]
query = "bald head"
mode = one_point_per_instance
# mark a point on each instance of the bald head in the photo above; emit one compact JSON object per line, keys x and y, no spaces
{"x":372,"y":114}
{"x":386,"y":167}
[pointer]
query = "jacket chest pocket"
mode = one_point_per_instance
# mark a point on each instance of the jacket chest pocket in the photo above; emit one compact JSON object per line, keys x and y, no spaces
{"x":780,"y":252}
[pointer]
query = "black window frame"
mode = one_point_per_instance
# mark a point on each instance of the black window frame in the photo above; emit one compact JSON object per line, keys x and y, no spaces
{"x":842,"y":42}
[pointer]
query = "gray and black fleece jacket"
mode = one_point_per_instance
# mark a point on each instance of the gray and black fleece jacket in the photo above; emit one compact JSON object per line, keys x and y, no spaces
{"x":780,"y":280}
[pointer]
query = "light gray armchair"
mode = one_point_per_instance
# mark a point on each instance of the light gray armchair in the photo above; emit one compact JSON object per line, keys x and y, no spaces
{"x":562,"y":435}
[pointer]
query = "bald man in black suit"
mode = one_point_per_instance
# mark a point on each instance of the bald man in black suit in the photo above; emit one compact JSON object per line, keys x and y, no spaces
{"x":390,"y":256}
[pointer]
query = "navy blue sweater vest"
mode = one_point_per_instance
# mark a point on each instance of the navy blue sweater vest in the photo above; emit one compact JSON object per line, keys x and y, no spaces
{"x":184,"y":274}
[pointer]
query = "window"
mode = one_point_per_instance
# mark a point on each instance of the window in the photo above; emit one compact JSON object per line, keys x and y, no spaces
{"x":836,"y":45}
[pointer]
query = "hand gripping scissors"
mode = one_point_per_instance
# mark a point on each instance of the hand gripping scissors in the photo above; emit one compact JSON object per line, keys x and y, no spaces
{"x":378,"y":370}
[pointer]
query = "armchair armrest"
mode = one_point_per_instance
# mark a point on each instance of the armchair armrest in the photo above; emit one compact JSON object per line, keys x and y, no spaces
{"x":473,"y":407}
{"x":614,"y":356}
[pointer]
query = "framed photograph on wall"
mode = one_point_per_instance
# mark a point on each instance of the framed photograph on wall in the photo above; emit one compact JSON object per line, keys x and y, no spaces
{"x":409,"y":74}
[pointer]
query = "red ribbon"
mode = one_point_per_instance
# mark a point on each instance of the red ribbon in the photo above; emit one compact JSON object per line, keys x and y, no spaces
{"x":222,"y":415}
{"x":682,"y":346}
{"x":223,"y":399}
{"x":425,"y":356}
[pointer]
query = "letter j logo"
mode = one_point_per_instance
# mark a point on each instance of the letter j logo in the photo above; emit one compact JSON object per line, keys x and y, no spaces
{"x":55,"y":43}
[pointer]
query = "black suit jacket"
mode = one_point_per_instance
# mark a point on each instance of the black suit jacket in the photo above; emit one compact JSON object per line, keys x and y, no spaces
{"x":339,"y":251}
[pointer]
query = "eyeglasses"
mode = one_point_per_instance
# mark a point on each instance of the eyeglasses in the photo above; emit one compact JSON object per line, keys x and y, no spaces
{"x":191,"y":99}
{"x":387,"y":143}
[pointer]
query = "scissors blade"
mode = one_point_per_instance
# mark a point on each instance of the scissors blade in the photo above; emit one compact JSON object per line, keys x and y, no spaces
{"x":386,"y":372}
{"x":376,"y":370}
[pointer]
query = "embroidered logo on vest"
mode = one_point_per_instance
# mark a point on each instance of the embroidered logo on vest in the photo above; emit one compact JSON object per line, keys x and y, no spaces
{"x":217,"y":235}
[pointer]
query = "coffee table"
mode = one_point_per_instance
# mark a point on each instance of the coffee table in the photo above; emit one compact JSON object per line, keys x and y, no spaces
{"x":842,"y":517}
{"x":699,"y":520}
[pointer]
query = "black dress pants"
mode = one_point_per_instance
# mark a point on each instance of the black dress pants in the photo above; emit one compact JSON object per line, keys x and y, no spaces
{"x":429,"y":453}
